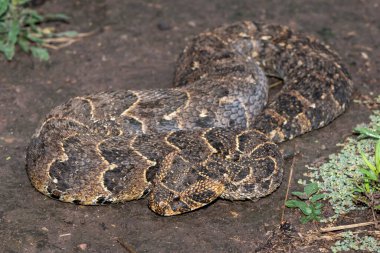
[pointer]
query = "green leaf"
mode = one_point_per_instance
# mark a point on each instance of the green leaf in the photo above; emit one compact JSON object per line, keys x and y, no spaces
{"x":317,"y":197}
{"x":367,"y":187}
{"x":359,"y":189}
{"x":368,"y":163}
{"x":57,"y":17}
{"x":305,"y":219}
{"x":34,"y":39}
{"x":369,"y":174}
{"x":20,"y":2}
{"x":318,"y":205}
{"x":8,"y":50}
{"x":311,"y":188}
{"x":299,"y":204}
{"x":377,"y":157}
{"x":4,"y":4}
{"x":305,"y":208}
{"x":367,"y":132}
{"x":40,"y":53}
{"x":31,"y":17}
{"x":13,"y":32}
{"x":291,"y":203}
{"x":301,"y":195}
{"x":24,"y":45}
{"x":3,"y":27}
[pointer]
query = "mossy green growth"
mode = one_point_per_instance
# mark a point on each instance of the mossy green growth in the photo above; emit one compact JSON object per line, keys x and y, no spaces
{"x":352,"y":241}
{"x":336,"y":178}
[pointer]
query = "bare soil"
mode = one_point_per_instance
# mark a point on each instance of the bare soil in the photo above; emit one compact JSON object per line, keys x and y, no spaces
{"x":135,"y":46}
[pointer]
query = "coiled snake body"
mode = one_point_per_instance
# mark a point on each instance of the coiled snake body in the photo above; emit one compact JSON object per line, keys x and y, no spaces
{"x":211,"y":136}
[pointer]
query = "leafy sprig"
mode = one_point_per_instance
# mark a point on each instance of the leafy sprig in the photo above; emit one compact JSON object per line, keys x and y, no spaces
{"x":308,"y":203}
{"x":21,"y":27}
{"x":367,"y":189}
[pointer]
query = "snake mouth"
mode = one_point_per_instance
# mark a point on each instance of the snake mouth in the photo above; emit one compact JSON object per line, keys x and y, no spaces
{"x":172,"y":205}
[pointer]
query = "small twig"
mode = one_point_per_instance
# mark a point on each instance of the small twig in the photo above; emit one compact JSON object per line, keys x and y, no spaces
{"x":288,"y":188}
{"x":373,"y":212}
{"x":316,"y":236}
{"x":126,"y":246}
{"x":65,"y":41}
{"x":68,"y":43}
{"x":63,"y":235}
{"x":343,"y":227}
{"x":275,"y":84}
{"x":374,"y":218}
{"x":365,"y":101}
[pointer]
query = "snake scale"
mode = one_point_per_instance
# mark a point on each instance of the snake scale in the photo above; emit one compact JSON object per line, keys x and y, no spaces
{"x":211,"y":136}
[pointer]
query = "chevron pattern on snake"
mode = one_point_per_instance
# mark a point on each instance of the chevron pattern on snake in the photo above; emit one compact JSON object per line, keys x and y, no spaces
{"x":211,"y":136}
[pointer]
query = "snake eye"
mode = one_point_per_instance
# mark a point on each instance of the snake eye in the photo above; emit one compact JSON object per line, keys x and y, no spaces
{"x":176,"y":198}
{"x":235,"y":157}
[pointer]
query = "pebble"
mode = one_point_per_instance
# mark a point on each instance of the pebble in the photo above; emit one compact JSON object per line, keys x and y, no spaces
{"x":192,"y":23}
{"x":82,"y":246}
{"x":163,"y":26}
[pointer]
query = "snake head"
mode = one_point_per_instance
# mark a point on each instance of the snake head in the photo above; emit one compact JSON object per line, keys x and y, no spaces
{"x":167,"y":203}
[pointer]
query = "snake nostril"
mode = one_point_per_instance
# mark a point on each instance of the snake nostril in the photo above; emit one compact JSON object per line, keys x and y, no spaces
{"x":235,"y":157}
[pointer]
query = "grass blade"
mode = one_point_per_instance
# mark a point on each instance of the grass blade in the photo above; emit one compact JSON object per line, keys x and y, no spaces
{"x":377,"y":157}
{"x":367,"y":132}
{"x":368,"y":163}
{"x":369,"y":174}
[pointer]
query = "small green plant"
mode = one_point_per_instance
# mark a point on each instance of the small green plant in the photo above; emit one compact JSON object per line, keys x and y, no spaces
{"x":308,"y":203}
{"x":367,"y":189}
{"x":21,"y":26}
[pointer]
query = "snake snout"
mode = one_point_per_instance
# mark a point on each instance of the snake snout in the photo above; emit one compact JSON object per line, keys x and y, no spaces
{"x":168,"y":205}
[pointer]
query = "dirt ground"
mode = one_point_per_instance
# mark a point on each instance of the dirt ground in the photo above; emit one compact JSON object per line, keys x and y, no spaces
{"x":135,"y":47}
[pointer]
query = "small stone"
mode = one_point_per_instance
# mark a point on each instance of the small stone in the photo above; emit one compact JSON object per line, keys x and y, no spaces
{"x":192,"y":23}
{"x":82,"y":246}
{"x":8,"y":139}
{"x":234,"y":214}
{"x":364,"y":55}
{"x":163,"y":26}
